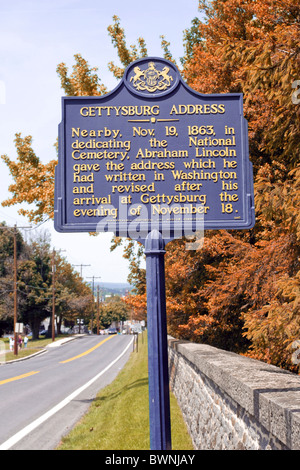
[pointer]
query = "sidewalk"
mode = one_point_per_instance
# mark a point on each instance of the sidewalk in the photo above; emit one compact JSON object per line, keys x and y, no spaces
{"x":59,"y":342}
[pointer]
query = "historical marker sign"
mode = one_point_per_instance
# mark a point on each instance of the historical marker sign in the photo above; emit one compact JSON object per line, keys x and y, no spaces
{"x":154,"y":160}
{"x":153,"y":154}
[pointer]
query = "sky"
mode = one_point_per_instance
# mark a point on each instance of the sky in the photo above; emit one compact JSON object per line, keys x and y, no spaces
{"x":35,"y":36}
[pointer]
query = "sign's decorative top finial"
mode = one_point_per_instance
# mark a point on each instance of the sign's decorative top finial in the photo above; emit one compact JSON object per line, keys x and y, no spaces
{"x":151,"y":79}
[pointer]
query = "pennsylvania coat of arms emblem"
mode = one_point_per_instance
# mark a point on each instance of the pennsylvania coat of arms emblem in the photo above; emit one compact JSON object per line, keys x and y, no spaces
{"x":151,"y":79}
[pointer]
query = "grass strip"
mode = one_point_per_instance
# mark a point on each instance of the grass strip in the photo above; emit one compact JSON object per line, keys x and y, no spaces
{"x":118,"y":418}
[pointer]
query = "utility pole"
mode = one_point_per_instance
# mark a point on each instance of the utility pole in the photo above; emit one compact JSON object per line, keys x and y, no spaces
{"x":81,"y":267}
{"x":14,"y":230}
{"x":98,"y":310}
{"x":15,"y":292}
{"x":53,"y":293}
{"x":93,"y":306}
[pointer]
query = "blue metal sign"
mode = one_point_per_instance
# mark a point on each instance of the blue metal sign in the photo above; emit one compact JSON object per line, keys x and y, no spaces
{"x":154,"y":160}
{"x":153,"y":154}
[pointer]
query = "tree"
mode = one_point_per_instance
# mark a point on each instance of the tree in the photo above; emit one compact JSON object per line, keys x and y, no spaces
{"x":34,"y":181}
{"x":250,"y":287}
{"x":241,"y":291}
{"x":79,"y":309}
{"x":7,"y":273}
{"x":72,"y":295}
{"x":125,"y":55}
{"x":253,"y":47}
{"x":83,"y":81}
{"x":34,"y":280}
{"x":113,"y":310}
{"x":34,"y":283}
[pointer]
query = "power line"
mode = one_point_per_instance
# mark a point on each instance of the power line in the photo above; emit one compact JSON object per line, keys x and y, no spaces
{"x":93,"y":305}
{"x":81,"y":265}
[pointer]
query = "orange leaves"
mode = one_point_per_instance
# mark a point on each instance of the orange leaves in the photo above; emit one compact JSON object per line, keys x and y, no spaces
{"x":83,"y":81}
{"x":137,"y":305}
{"x":33,"y":181}
{"x":277,"y":196}
{"x":250,"y":282}
{"x":126,"y":55}
{"x":228,"y":293}
{"x":253,"y":47}
{"x":275,"y":327}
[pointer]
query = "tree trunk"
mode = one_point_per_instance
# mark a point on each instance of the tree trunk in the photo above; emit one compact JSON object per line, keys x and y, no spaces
{"x":35,"y":328}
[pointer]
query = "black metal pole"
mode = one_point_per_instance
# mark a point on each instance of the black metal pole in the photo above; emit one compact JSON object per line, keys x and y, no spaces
{"x":159,"y":399}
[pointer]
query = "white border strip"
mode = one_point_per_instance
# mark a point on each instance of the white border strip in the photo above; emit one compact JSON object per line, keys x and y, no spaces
{"x":19,"y":435}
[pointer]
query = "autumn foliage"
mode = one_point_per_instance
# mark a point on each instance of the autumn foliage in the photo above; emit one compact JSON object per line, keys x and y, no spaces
{"x":33,"y":181}
{"x":241,"y":291}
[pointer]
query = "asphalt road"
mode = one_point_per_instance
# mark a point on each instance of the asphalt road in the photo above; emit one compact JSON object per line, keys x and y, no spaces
{"x":41,"y":398}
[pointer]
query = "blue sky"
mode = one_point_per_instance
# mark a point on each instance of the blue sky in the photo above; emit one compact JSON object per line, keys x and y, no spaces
{"x":35,"y":36}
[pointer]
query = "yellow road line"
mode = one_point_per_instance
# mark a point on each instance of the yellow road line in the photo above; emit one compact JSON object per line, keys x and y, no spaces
{"x":18,"y":377}
{"x":86,"y":352}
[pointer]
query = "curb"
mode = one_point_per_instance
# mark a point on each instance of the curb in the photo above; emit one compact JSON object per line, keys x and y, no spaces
{"x":57,"y":343}
{"x":42,"y":351}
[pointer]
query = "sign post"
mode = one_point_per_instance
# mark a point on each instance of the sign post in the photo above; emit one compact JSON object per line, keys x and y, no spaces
{"x":153,"y":161}
{"x":159,"y":401}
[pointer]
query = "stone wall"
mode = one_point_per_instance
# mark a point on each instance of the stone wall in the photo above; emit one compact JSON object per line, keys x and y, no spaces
{"x":231,"y":402}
